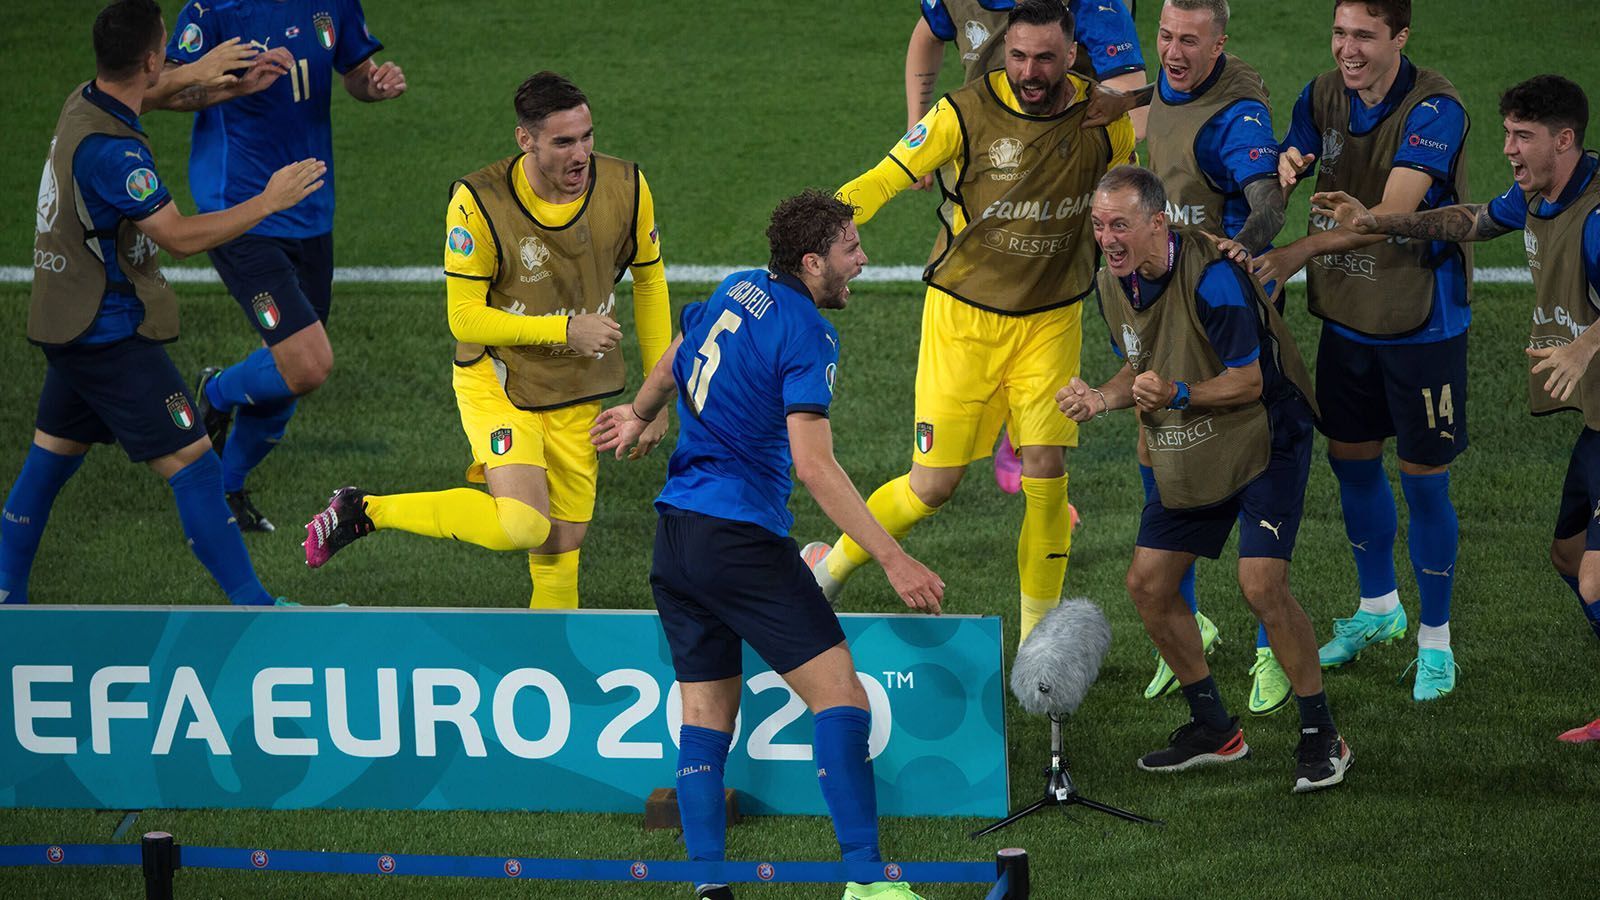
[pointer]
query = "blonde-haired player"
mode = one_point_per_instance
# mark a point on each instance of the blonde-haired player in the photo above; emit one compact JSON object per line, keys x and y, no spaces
{"x":534,"y":245}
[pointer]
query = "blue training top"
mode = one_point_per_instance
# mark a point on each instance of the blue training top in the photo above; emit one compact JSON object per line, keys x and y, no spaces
{"x":237,"y":145}
{"x":753,"y":353}
{"x":1235,"y":147}
{"x":1436,"y":133}
{"x":1103,"y":26}
{"x":116,"y":180}
{"x":1511,"y":210}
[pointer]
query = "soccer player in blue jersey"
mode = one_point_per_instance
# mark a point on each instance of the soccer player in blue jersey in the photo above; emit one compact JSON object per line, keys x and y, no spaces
{"x":101,"y":310}
{"x":1555,"y":201}
{"x":281,"y":273}
{"x":753,"y":369}
{"x":1393,"y":355}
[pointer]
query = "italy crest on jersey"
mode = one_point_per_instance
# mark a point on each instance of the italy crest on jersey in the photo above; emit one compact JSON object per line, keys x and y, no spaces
{"x":266,"y":310}
{"x":924,"y":437}
{"x":500,"y":442}
{"x":178,"y":408}
{"x":324,"y":25}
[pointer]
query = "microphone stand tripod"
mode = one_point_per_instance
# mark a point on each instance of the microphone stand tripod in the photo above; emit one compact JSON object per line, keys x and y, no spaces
{"x":1061,"y":791}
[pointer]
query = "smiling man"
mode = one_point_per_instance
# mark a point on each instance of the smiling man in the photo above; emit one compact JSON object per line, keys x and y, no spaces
{"x":1393,"y":355}
{"x":533,"y":246}
{"x":1222,"y":395}
{"x":1001,"y":323}
{"x":1212,"y":145}
{"x":1556,"y":203}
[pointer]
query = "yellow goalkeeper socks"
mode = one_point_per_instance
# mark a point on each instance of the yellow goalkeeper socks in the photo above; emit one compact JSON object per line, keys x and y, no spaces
{"x":897,"y":508}
{"x":555,"y":580}
{"x":1043,"y":547}
{"x":462,"y":514}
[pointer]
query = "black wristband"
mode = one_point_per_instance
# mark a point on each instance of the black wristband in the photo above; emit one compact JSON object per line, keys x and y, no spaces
{"x":635,"y":410}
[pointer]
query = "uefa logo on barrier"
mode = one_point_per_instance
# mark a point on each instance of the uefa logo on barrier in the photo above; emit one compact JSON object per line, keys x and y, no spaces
{"x":766,"y":872}
{"x":639,"y":871}
{"x":513,"y":868}
{"x":258,"y":859}
{"x":386,"y":864}
{"x":55,"y":855}
{"x":892,"y":872}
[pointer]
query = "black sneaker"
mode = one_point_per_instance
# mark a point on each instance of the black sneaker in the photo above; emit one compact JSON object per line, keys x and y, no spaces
{"x":246,"y":514}
{"x":336,"y":527}
{"x":713,"y":892}
{"x":1321,"y":760}
{"x":215,"y":420}
{"x":1192,"y":744}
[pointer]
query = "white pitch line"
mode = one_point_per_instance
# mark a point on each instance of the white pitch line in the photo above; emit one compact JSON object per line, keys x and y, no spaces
{"x":686,"y":274}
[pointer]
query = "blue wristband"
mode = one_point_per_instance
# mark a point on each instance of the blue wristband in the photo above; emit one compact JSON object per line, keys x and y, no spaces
{"x":1180,"y":400}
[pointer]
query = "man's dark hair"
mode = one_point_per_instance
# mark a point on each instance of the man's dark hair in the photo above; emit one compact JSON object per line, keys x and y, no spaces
{"x":1043,"y":12}
{"x":544,"y":95}
{"x":1550,"y":100}
{"x":125,"y":33}
{"x":808,"y":222}
{"x":1397,"y":13}
{"x":1145,"y":184}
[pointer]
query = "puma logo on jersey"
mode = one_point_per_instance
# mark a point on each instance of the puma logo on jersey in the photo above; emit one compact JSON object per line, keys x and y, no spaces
{"x":1255,"y":119}
{"x":200,"y":11}
{"x":1272,"y":528}
{"x":1430,"y":104}
{"x":261,"y":44}
{"x":466,"y":214}
{"x":135,"y":154}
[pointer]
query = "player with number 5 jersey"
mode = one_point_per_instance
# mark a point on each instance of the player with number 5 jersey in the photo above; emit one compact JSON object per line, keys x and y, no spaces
{"x":754,"y":371}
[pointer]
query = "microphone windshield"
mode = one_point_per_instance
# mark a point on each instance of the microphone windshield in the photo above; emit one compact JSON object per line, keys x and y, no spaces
{"x":1061,"y":658}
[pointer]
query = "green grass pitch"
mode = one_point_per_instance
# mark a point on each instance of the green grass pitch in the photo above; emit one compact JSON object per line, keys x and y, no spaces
{"x":729,"y":106}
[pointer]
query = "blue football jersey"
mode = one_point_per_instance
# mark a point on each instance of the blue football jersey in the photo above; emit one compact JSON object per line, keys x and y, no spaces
{"x":1104,"y":27}
{"x":1510,"y":209}
{"x":237,"y":145}
{"x":753,"y":353}
{"x":116,"y":179}
{"x":1233,"y":148}
{"x":1436,"y":135}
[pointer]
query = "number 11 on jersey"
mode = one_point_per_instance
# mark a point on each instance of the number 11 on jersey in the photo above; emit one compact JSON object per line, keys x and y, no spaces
{"x":708,"y":358}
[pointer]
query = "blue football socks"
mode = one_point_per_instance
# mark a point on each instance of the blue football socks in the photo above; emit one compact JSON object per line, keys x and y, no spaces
{"x":213,"y":536}
{"x":27,"y":510}
{"x":702,"y":755}
{"x":1591,"y":611}
{"x":1432,"y":538}
{"x":256,"y":431}
{"x":844,"y":770}
{"x":253,"y":381}
{"x":1370,"y":522}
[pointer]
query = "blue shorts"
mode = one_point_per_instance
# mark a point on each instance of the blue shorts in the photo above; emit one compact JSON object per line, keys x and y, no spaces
{"x":1414,"y":393}
{"x":718,"y":583}
{"x":1580,"y":494}
{"x":1267,"y":509}
{"x":282,"y":284}
{"x":127,"y":392}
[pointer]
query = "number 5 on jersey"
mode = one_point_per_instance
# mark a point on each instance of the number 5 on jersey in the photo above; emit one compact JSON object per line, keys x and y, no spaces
{"x":708,"y":358}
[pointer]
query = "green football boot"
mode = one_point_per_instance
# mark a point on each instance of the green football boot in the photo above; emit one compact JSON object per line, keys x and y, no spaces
{"x":1270,"y":691}
{"x":1436,"y":674}
{"x":1360,"y":631}
{"x":880,"y":890}
{"x":1165,"y":681}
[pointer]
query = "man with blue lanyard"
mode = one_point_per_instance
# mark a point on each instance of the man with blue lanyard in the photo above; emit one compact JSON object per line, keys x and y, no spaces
{"x":753,"y":369}
{"x":281,"y":273}
{"x":100,"y":309}
{"x":1393,"y":356}
{"x":1556,"y":203}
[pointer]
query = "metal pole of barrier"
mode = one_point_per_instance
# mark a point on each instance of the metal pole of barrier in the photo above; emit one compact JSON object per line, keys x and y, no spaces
{"x":160,"y":857}
{"x":1013,"y":861}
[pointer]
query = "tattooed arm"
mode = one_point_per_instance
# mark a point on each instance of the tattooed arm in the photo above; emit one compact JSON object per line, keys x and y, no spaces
{"x":1266,"y":215}
{"x":263,"y":70}
{"x":1462,"y":223}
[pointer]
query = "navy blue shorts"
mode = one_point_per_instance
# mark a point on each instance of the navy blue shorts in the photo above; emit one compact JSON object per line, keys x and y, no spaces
{"x":718,"y":583}
{"x":1414,"y":393}
{"x":1267,"y":509}
{"x":127,"y":392}
{"x":1580,"y":493}
{"x":282,"y":284}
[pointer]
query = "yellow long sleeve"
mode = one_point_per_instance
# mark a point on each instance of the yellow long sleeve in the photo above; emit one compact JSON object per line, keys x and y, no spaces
{"x":652,"y":302}
{"x":474,"y":321}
